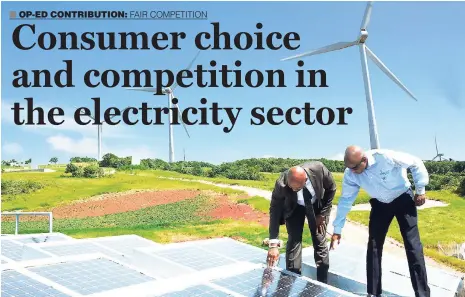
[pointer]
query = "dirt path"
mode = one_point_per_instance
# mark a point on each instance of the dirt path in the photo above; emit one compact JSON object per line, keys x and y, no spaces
{"x":353,"y":232}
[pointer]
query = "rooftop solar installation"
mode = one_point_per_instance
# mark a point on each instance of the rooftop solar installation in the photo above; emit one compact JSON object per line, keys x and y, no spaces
{"x":129,"y":265}
{"x":348,"y":272}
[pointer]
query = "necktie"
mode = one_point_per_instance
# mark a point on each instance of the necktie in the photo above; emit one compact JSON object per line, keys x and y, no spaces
{"x":309,"y":209}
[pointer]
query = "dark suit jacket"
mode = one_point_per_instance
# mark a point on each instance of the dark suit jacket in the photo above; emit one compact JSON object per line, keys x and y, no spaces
{"x":284,"y":199}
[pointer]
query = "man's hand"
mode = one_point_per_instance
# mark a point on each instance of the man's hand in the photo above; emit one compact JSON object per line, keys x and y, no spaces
{"x":273,"y":256}
{"x":320,"y":224}
{"x":419,"y":199}
{"x":335,"y":240}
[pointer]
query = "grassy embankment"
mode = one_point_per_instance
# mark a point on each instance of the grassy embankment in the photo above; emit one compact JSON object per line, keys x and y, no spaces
{"x":163,"y":223}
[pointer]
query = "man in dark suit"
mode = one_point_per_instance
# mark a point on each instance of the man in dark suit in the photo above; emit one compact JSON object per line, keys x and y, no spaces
{"x":302,"y":191}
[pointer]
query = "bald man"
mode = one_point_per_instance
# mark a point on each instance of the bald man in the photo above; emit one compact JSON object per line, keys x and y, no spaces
{"x":383,"y":174}
{"x":302,"y":191}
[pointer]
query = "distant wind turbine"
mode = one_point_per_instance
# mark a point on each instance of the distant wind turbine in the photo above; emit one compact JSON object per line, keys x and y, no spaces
{"x":169,"y":91}
{"x":364,"y":53}
{"x":438,"y":155}
{"x":99,"y":132}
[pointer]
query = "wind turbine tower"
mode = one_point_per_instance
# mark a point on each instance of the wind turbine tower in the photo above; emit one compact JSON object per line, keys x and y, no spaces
{"x":365,"y":53}
{"x":99,"y":133}
{"x":169,"y":91}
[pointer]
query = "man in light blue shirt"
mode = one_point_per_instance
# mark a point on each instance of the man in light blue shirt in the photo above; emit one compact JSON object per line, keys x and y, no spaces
{"x":383,"y":175}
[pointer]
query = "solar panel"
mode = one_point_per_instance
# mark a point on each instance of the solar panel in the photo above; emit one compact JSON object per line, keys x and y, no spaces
{"x":16,"y":284}
{"x":20,"y":252}
{"x":235,"y":250}
{"x":268,"y":282}
{"x":348,"y":272}
{"x":198,"y":290}
{"x":125,"y":244}
{"x":193,"y":257}
{"x":71,"y":248}
{"x":91,"y":276}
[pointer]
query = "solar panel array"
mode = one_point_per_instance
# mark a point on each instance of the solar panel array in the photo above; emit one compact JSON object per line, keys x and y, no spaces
{"x":128,"y":265}
{"x":348,"y":272}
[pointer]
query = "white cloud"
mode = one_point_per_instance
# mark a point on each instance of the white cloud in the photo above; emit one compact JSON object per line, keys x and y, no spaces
{"x":12,"y":149}
{"x":337,"y":157}
{"x":84,"y":146}
{"x":69,"y":125}
{"x":268,"y":156}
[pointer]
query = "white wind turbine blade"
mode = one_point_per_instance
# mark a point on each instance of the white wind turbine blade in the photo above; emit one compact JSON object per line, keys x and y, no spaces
{"x":366,"y":17}
{"x":388,"y":72}
{"x":147,"y":89}
{"x":80,"y":112}
{"x":183,"y":124}
{"x":437,"y":151}
{"x":188,"y":68}
{"x":325,"y":49}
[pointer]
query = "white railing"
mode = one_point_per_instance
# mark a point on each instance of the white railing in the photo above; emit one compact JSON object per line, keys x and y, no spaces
{"x":21,"y":213}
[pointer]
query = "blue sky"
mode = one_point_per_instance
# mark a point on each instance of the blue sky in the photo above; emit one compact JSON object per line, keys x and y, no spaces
{"x":421,"y":42}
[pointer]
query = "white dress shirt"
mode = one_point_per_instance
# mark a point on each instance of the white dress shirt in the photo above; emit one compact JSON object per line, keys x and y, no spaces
{"x":385,"y":179}
{"x":300,"y":194}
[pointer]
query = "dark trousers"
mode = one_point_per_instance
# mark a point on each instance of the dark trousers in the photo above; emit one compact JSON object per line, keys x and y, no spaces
{"x":295,"y":226}
{"x":381,"y":216}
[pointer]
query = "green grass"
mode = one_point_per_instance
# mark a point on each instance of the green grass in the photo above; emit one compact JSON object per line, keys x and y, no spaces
{"x":437,"y":225}
{"x":266,"y":184}
{"x":60,"y":189}
{"x":184,"y":220}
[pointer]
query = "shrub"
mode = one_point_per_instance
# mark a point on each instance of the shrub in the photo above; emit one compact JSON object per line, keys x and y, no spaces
{"x":76,"y":171}
{"x":16,"y":187}
{"x":93,"y":171}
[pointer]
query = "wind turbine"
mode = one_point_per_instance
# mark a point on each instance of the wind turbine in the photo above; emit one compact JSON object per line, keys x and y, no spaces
{"x":364,"y":53}
{"x":99,"y":131}
{"x":169,"y":91}
{"x":438,"y":155}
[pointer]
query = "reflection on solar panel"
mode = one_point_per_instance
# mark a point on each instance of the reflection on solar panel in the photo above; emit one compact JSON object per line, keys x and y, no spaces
{"x":20,"y":252}
{"x":199,"y":290}
{"x":267,"y":282}
{"x":15,"y":284}
{"x":236,"y":250}
{"x":193,"y":257}
{"x":91,"y":276}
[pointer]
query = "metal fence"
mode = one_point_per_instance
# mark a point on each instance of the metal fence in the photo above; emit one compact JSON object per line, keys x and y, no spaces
{"x":18,"y":214}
